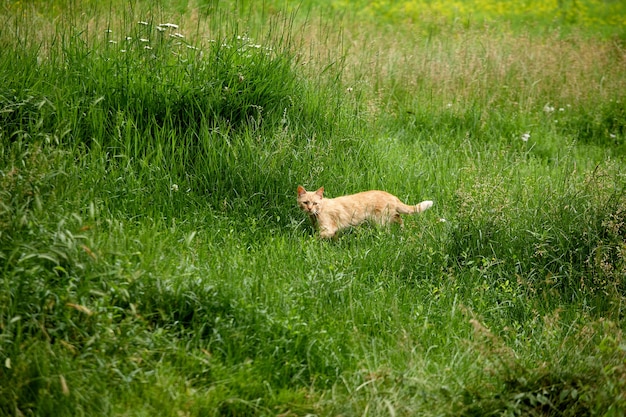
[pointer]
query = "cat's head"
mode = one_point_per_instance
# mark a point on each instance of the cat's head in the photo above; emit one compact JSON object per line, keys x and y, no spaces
{"x":310,"y":201}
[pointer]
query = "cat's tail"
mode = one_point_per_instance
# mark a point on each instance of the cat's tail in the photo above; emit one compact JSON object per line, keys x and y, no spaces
{"x":423,"y":206}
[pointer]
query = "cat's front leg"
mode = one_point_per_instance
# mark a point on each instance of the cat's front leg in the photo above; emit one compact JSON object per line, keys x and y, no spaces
{"x":327,"y":231}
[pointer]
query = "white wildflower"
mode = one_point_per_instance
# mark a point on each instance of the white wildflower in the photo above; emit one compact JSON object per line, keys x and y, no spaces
{"x":548,"y":108}
{"x":128,"y":38}
{"x":108,"y":31}
{"x":160,"y":29}
{"x":169,"y":25}
{"x":612,"y":135}
{"x":147,"y":47}
{"x":112,"y":41}
{"x":144,"y":40}
{"x":442,"y":220}
{"x":284,"y":119}
{"x":174,"y":187}
{"x":525,"y":136}
{"x":177,"y":35}
{"x":142,"y":23}
{"x":349,"y":89}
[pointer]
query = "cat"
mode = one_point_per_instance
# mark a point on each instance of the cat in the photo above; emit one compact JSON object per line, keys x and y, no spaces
{"x":330,"y":215}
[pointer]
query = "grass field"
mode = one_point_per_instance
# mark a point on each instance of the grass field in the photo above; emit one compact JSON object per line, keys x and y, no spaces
{"x":153,"y":260}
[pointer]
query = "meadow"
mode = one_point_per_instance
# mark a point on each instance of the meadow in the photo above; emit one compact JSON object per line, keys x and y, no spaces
{"x":153,"y":260}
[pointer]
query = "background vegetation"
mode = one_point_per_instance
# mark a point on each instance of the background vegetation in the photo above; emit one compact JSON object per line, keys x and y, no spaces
{"x":153,"y":260}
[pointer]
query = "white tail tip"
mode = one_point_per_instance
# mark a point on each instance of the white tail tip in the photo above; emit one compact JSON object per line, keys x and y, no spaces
{"x":424,"y":205}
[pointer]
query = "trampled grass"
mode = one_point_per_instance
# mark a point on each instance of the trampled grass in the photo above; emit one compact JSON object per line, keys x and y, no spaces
{"x":153,"y":259}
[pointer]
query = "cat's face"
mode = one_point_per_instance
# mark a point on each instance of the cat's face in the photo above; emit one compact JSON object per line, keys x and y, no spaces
{"x":310,"y":201}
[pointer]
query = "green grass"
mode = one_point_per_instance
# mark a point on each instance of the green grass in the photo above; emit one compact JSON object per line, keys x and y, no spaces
{"x":153,"y":259}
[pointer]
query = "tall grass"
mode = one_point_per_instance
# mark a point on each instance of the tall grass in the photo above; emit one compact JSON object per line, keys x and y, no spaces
{"x":153,"y":260}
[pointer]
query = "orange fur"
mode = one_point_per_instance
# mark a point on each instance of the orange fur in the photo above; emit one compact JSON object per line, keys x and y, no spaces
{"x":330,"y":215}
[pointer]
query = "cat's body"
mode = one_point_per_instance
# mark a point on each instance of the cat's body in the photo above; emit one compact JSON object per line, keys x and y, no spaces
{"x":330,"y":215}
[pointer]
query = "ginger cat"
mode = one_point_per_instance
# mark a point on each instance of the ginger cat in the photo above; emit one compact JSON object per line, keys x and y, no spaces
{"x":330,"y":215}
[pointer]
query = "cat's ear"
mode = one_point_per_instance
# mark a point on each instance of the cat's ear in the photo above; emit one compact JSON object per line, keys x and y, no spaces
{"x":320,"y":192}
{"x":301,"y":190}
